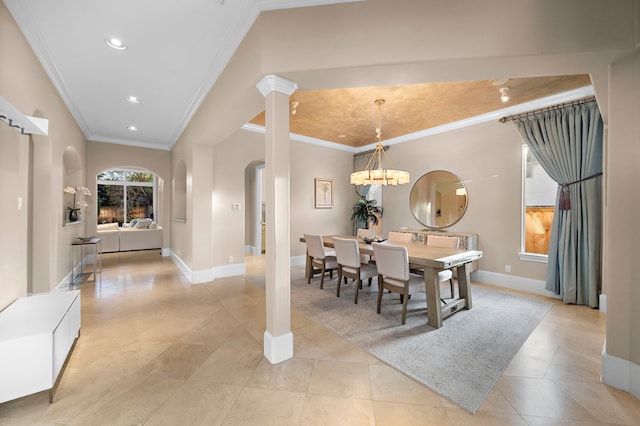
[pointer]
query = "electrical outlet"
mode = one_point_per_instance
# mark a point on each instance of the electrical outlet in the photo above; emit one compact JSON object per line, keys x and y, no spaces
{"x":230,"y":259}
{"x":507,"y":268}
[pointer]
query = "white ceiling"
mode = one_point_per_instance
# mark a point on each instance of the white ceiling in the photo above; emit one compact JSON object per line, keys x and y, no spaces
{"x":176,"y":51}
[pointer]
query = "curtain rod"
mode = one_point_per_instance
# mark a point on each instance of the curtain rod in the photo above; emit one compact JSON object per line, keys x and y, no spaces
{"x":550,"y":108}
{"x":360,"y":154}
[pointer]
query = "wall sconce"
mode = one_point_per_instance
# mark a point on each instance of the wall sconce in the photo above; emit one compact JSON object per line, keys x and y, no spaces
{"x":504,"y":94}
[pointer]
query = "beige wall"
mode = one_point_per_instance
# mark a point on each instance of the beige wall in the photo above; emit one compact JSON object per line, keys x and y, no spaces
{"x":487,"y":157}
{"x":105,"y":156}
{"x":245,"y":148}
{"x":32,"y":168}
{"x":622,"y":245}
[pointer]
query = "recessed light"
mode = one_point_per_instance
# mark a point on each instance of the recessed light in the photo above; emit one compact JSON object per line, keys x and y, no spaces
{"x":116,"y":43}
{"x":342,"y":136}
{"x":133,"y":99}
{"x":133,"y":128}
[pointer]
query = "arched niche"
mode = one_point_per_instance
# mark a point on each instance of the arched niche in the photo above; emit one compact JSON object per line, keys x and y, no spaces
{"x":180,"y":192}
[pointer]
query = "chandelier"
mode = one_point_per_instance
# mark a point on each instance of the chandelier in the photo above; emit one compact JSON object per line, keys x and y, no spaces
{"x":374,"y":173}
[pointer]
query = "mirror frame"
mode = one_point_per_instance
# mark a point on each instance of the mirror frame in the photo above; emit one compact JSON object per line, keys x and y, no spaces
{"x":461,"y":213}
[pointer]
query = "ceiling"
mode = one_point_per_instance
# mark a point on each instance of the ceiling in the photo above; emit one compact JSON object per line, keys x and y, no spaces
{"x":175,"y":54}
{"x":349,"y":116}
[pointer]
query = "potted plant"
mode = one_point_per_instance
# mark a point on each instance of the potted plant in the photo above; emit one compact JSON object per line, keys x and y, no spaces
{"x":365,"y":212}
{"x":75,"y":207}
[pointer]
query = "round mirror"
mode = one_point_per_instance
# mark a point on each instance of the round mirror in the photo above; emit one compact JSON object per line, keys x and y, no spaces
{"x":438,"y":199}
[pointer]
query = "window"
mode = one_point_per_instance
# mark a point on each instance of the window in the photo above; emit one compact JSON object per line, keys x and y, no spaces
{"x":538,"y":204}
{"x":124,"y":195}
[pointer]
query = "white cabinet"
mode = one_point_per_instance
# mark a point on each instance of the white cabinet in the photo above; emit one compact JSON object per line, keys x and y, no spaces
{"x":36,"y":336}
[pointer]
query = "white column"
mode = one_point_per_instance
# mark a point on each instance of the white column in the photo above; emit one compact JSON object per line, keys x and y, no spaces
{"x":278,"y":339}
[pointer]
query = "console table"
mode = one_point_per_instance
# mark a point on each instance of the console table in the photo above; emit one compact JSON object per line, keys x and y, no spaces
{"x":467,"y":241}
{"x":96,"y":244}
{"x":37,"y":333}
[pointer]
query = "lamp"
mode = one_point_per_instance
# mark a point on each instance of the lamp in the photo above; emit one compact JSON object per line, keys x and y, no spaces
{"x":504,"y":96}
{"x":373,"y":173}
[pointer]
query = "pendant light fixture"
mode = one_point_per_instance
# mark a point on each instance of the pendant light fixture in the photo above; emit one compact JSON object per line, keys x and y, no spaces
{"x":374,"y":173}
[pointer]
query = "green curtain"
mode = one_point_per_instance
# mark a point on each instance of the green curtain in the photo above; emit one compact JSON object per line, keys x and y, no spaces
{"x":568,"y":143}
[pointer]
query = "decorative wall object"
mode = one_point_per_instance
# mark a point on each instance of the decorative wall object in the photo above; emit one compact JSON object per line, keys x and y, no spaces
{"x":323,"y":193}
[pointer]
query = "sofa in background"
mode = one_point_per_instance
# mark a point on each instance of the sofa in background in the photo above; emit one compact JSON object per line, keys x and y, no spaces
{"x":140,"y":234}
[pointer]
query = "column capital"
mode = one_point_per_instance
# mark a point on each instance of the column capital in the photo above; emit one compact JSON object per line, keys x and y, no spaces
{"x":271,"y":83}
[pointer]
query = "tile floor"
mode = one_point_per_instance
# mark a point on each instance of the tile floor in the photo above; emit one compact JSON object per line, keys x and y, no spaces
{"x":156,"y":350}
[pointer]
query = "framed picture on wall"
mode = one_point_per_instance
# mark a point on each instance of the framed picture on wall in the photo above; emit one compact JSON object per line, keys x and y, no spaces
{"x":323,"y":193}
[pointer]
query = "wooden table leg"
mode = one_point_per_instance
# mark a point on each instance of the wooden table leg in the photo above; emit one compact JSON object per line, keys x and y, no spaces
{"x":307,"y":266}
{"x":432,"y":287}
{"x":464,"y":283}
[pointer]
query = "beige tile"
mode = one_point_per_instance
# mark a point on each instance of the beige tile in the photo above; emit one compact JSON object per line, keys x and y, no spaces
{"x":567,"y":364}
{"x":606,"y":404}
{"x":336,"y":378}
{"x":330,"y":410}
{"x":134,"y":406}
{"x":178,"y":361}
{"x":146,"y":326}
{"x":228,"y":366}
{"x":266,"y":407}
{"x":460,"y":417}
{"x":6,"y":421}
{"x":197,"y":403}
{"x":306,"y":348}
{"x":291,"y":375}
{"x":390,"y":385}
{"x":547,"y":421}
{"x":495,"y":402}
{"x":541,"y":397}
{"x":396,"y":414}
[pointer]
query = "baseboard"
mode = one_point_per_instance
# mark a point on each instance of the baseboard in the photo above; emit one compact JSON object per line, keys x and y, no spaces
{"x":603,"y":303}
{"x":512,"y":282}
{"x":206,"y":275}
{"x":194,"y":277}
{"x":229,"y":270}
{"x":278,"y":348}
{"x":248,"y":249}
{"x":620,"y":373}
{"x":165,"y":252}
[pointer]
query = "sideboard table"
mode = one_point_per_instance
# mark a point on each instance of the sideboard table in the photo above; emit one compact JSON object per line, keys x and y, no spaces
{"x":94,"y":243}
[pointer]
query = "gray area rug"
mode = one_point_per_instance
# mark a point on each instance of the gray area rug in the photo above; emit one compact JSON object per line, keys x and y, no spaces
{"x":460,"y":361}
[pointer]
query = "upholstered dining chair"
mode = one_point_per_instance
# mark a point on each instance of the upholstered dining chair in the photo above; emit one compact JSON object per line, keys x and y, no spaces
{"x":320,"y":259}
{"x":400,"y":237}
{"x":362,"y":234}
{"x":393,"y":274}
{"x":350,"y":266}
{"x":404,"y":238}
{"x":448,"y":242}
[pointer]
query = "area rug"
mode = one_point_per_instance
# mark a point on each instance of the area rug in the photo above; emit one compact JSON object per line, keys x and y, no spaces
{"x":460,"y":361}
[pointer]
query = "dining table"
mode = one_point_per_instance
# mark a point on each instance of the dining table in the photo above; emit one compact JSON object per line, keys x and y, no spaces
{"x":431,"y":260}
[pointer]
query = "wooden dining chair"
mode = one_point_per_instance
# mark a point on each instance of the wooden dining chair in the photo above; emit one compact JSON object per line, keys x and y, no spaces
{"x":350,"y":265}
{"x":448,"y":242}
{"x":320,"y":259}
{"x":393,"y":274}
